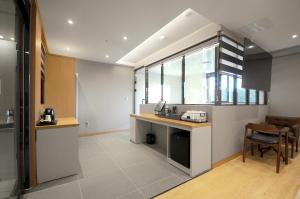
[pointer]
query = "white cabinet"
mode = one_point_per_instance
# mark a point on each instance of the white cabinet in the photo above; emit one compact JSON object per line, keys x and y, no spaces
{"x":57,"y":153}
{"x":200,"y":140}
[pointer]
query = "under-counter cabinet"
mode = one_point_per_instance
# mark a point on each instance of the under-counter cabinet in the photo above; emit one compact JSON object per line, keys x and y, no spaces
{"x":186,"y":145}
{"x":57,"y":150}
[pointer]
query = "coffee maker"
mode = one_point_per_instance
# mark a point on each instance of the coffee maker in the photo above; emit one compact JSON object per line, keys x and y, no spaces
{"x":48,"y":117}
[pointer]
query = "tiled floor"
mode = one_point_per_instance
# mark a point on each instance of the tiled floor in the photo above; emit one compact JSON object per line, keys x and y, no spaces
{"x":113,"y":167}
{"x":6,"y":187}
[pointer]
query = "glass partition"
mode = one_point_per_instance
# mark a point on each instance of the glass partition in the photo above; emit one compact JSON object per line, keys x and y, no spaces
{"x":139,"y":86}
{"x":252,"y":96}
{"x":191,"y":77}
{"x":172,"y":93}
{"x":154,"y":84}
{"x":13,"y":109}
{"x":261,"y":97}
{"x":241,"y":92}
{"x":199,"y":86}
{"x":227,"y":87}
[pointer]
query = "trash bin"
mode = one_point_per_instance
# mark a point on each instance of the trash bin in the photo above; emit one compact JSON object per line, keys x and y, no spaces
{"x":150,"y":138}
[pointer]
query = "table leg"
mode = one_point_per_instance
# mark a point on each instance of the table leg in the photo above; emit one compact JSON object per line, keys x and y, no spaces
{"x":286,"y":148}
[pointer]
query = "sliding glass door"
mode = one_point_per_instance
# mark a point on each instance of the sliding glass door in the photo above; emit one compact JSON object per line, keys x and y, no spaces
{"x":13,"y":97}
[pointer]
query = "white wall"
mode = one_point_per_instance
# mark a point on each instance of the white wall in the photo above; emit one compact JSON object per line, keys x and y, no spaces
{"x":105,"y":96}
{"x":285,"y":86}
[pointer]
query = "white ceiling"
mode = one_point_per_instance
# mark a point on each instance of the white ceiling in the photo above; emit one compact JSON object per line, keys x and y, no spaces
{"x":99,"y":25}
{"x":186,"y":23}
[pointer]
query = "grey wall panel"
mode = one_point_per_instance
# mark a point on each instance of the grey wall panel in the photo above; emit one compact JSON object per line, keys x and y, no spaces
{"x":285,"y":86}
{"x":228,"y":127}
{"x":105,"y":96}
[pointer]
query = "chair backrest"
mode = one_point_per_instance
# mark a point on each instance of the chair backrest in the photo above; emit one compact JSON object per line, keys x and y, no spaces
{"x":292,"y":122}
{"x":263,"y":127}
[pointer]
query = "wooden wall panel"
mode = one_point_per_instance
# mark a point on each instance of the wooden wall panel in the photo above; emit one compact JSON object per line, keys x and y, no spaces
{"x":37,"y":36}
{"x":35,"y":76}
{"x":60,"y":85}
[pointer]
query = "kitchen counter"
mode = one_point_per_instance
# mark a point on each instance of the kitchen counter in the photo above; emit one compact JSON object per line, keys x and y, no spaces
{"x":197,"y":149}
{"x":152,"y":117}
{"x":61,"y":123}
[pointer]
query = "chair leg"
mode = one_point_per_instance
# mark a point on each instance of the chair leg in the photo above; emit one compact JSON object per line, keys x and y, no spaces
{"x":260,"y":150}
{"x":252,"y":149}
{"x":297,"y":146}
{"x":278,"y":158}
{"x":292,"y":150}
{"x":244,"y":150}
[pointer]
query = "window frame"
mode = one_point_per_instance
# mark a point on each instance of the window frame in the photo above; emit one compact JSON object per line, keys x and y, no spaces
{"x":216,"y":74}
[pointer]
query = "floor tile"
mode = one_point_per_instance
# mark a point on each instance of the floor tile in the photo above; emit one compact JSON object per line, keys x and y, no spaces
{"x":161,"y":186}
{"x":127,"y":159}
{"x":132,"y":195}
{"x":106,"y":186}
{"x":97,"y":166}
{"x":65,"y":191}
{"x":91,"y":150}
{"x":113,"y":167}
{"x":146,"y":173}
{"x":4,"y":194}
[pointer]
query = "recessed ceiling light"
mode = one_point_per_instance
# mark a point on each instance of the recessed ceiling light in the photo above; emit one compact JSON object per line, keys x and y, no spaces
{"x":68,"y":49}
{"x":125,"y":38}
{"x":106,"y":56}
{"x":13,"y":39}
{"x":1,"y":37}
{"x":294,"y":36}
{"x":251,"y":46}
{"x":188,"y":14}
{"x":70,"y":22}
{"x":162,"y":37}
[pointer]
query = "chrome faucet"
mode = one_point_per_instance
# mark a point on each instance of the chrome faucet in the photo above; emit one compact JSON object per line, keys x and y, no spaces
{"x":9,"y":116}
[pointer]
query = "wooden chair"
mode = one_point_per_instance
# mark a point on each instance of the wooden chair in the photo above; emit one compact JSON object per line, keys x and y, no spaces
{"x":293,"y":123}
{"x":265,"y":135}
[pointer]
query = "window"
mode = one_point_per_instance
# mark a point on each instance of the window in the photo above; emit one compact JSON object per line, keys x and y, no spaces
{"x":241,"y":92}
{"x":227,"y":87}
{"x":199,"y":85}
{"x":154,"y":84}
{"x":261,"y":97}
{"x":172,"y":91}
{"x":252,"y":96}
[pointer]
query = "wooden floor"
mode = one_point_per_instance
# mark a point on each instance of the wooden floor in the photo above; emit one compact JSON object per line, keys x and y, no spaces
{"x":255,"y":179}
